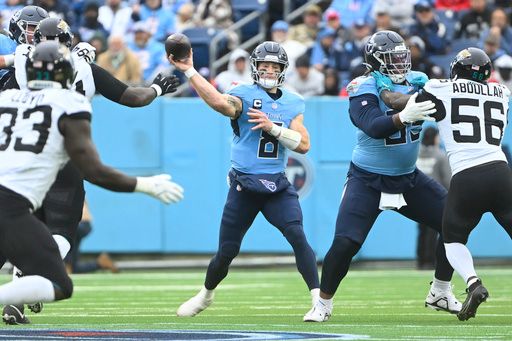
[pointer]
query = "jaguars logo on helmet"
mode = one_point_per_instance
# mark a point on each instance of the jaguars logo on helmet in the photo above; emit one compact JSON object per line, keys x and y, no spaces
{"x":268,"y":51}
{"x":473,"y":64}
{"x":24,"y":19}
{"x":53,"y":29}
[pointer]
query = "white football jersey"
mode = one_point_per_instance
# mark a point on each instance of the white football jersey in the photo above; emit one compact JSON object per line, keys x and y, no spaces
{"x":31,"y":144}
{"x":474,"y":121}
{"x":84,"y":80}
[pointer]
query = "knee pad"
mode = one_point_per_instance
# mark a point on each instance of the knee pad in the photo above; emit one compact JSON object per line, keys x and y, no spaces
{"x":228,"y":250}
{"x":63,"y":244}
{"x":344,"y":247}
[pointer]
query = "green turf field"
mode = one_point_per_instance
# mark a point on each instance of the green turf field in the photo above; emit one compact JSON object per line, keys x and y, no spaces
{"x":383,"y":304}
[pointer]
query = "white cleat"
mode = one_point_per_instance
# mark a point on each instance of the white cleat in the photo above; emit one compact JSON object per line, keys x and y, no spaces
{"x":319,"y":313}
{"x":443,"y":301}
{"x":195,"y":305}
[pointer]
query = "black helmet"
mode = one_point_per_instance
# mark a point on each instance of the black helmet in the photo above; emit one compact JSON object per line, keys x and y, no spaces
{"x":268,"y":51}
{"x":387,"y":53}
{"x":49,"y":65}
{"x":471,"y":63}
{"x":53,"y":29}
{"x":22,"y":19}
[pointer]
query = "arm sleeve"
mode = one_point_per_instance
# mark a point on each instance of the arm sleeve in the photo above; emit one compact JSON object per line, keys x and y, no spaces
{"x":365,"y":113}
{"x":107,"y":85}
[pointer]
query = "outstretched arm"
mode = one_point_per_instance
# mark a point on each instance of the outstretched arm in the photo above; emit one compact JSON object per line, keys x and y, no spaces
{"x":225,"y":104}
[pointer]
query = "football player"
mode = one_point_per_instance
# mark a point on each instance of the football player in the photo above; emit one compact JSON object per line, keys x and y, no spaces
{"x":47,"y":124}
{"x":64,"y":215}
{"x":267,"y":120}
{"x":383,"y":173}
{"x":472,"y":117}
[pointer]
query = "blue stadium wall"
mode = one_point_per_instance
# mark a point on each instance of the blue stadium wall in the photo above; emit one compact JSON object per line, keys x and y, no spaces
{"x":187,"y":139}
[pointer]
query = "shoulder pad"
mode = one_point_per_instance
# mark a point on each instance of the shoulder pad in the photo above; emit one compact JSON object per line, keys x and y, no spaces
{"x":362,"y":85}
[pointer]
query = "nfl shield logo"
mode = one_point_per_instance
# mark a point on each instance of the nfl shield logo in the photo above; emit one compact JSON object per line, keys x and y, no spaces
{"x":271,"y":186}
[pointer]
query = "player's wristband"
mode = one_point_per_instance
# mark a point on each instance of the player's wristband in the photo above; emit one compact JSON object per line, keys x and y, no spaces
{"x":276,"y":130}
{"x":287,"y":137}
{"x":9,"y":59}
{"x":190,"y":72}
{"x":157,"y":88}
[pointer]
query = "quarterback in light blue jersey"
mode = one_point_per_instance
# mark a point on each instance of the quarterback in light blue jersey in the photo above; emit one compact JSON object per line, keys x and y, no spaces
{"x":383,"y":173}
{"x":267,"y":120}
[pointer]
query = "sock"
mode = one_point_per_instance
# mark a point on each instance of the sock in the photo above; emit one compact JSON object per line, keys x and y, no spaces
{"x":471,"y":281}
{"x":63,"y":245}
{"x":207,"y":294}
{"x":326,"y":302}
{"x":315,"y":295}
{"x":27,"y":289}
{"x":439,"y":285}
{"x":461,"y":260}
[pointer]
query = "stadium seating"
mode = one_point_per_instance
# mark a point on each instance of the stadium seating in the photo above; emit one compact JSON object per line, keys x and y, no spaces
{"x":200,"y":38}
{"x":241,"y":8}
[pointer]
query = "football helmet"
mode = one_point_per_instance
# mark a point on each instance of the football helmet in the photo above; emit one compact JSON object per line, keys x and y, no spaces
{"x":387,"y":53}
{"x":22,"y":20}
{"x":268,"y":51}
{"x":49,"y":65}
{"x":471,"y":63}
{"x":53,"y":29}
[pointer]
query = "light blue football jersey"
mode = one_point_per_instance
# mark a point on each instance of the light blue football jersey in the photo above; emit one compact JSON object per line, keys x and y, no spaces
{"x":396,"y":154}
{"x":254,"y":151}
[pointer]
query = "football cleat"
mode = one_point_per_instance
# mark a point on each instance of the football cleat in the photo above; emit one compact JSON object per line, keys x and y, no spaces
{"x":443,"y":301}
{"x":319,"y":313}
{"x":195,"y":305}
{"x":477,"y":294}
{"x":14,"y":314}
{"x":36,"y":308}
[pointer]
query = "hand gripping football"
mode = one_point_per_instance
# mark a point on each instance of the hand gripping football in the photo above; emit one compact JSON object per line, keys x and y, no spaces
{"x":178,"y":45}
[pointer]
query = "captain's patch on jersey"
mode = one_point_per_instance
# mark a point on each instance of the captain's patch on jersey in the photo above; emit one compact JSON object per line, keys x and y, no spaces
{"x":256,"y":103}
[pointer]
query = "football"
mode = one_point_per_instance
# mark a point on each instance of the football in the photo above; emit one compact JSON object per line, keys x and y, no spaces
{"x":178,"y":45}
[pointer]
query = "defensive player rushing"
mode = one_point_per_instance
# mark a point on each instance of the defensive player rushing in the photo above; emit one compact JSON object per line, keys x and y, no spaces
{"x":266,"y":120}
{"x":472,"y":117}
{"x":62,"y":208}
{"x":45,"y":124}
{"x":383,"y":173}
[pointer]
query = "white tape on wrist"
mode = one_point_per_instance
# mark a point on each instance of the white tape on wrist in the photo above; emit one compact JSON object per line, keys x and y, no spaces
{"x":275,"y":131}
{"x":157,"y":88}
{"x":9,"y":59}
{"x":289,"y":138}
{"x":190,"y":72}
{"x":143,"y":185}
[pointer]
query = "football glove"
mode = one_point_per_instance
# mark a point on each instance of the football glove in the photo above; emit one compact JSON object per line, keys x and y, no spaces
{"x":164,"y":85}
{"x":85,"y":51}
{"x":160,"y":187}
{"x":419,"y":81}
{"x":383,"y":82}
{"x":417,"y":111}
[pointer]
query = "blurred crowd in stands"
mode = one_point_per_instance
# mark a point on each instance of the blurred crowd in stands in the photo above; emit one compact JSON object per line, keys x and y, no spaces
{"x":324,"y":44}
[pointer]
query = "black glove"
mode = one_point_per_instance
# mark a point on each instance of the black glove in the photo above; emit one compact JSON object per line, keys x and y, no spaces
{"x":165,"y":85}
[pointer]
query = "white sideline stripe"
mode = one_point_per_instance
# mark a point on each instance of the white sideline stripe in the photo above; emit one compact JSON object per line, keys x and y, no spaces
{"x":273,"y":315}
{"x":175,"y":287}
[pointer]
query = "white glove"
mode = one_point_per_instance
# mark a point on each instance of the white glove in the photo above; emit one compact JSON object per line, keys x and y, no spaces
{"x":85,"y":51}
{"x":417,"y":111}
{"x":161,"y":187}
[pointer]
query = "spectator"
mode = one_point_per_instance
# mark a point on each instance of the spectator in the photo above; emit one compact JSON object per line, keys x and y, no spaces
{"x":100,"y":43}
{"x":434,"y":163}
{"x":306,"y":33}
{"x":420,"y":60}
{"x":294,"y":49}
{"x":492,"y":47}
{"x":150,"y":53}
{"x":383,"y":20}
{"x":89,"y":25}
{"x":429,"y":29}
{"x":121,"y":62}
{"x":351,"y":49}
{"x":400,"y":13}
{"x":331,"y":82}
{"x":323,"y":54}
{"x":307,"y":81}
{"x":217,"y":14}
{"x":332,"y":20}
{"x":353,"y":10}
{"x":58,"y":8}
{"x":184,"y":17}
{"x":115,"y":17}
{"x":103,"y":261}
{"x":357,"y":69}
{"x":474,"y":22}
{"x":239,"y":71}
{"x":8,"y":8}
{"x":500,"y":27}
{"x":503,"y":70}
{"x":158,"y":18}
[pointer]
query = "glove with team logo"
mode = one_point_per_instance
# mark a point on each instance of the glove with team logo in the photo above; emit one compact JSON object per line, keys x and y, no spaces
{"x":419,"y":81}
{"x":85,"y":51}
{"x":165,"y":85}
{"x":160,"y":187}
{"x":383,"y":82}
{"x":417,"y":111}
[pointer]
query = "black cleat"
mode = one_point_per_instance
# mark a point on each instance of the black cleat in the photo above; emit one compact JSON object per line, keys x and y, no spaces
{"x":477,"y":294}
{"x":14,"y":314}
{"x":36,"y":307}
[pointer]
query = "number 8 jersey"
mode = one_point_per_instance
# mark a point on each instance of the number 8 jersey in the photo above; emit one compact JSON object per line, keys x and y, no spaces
{"x":31,"y":144}
{"x":472,"y":118}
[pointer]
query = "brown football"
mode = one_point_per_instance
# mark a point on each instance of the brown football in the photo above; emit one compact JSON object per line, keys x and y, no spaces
{"x":178,"y":45}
